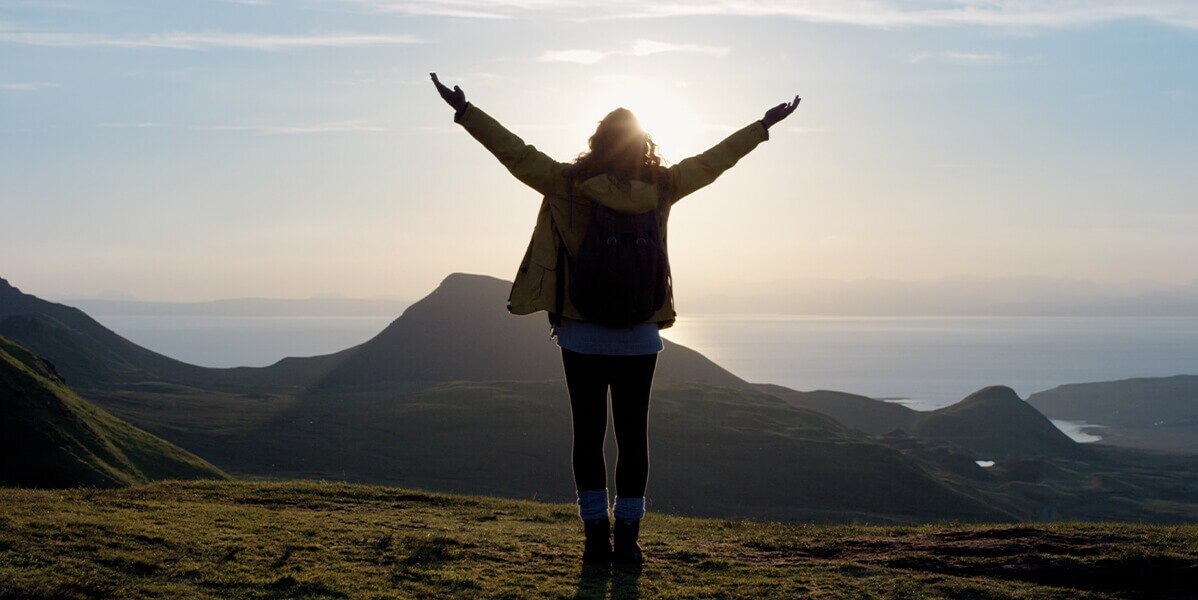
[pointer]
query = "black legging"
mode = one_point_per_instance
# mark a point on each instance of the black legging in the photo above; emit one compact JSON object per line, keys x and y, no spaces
{"x":631,"y":379}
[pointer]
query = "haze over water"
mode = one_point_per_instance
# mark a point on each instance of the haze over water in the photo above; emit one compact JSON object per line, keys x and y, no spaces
{"x":930,"y":362}
{"x":927,"y":362}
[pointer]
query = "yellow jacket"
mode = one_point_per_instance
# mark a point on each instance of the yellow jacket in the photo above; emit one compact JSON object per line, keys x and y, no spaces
{"x":535,"y":286}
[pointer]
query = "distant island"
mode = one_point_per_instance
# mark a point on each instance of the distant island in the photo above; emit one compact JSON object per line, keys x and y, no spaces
{"x":946,"y":296}
{"x":245,"y":307}
{"x":953,"y":296}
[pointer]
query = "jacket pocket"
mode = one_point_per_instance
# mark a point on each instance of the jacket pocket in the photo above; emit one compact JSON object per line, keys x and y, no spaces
{"x":544,"y":250}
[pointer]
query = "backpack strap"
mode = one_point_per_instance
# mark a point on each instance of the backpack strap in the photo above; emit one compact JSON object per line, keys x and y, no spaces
{"x":559,"y":298}
{"x":570,"y":201}
{"x":662,"y":183}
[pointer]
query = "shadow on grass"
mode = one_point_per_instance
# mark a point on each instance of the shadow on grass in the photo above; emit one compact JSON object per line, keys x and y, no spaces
{"x":593,"y":581}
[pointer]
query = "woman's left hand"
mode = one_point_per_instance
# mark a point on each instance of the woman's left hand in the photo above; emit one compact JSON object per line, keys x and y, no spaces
{"x":455,"y":97}
{"x":779,"y":112}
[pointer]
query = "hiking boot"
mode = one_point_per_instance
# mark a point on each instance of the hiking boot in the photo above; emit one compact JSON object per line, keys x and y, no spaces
{"x":626,"y":549}
{"x":598,"y":543}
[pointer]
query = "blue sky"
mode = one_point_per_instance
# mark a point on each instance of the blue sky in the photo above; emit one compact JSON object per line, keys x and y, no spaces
{"x":205,"y":149}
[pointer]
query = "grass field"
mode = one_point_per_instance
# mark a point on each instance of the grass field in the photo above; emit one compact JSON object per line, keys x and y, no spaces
{"x":303,"y":539}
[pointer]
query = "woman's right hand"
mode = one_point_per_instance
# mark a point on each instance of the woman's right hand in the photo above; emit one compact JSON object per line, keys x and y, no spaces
{"x":779,"y":112}
{"x":455,"y":97}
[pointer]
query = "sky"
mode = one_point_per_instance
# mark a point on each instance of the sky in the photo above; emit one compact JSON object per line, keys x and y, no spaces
{"x":173,"y":150}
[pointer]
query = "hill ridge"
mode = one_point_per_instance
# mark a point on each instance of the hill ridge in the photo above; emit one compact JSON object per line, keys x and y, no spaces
{"x":1147,"y":412}
{"x":995,"y":422}
{"x":451,"y":319}
{"x":50,"y":437}
{"x":456,"y":333}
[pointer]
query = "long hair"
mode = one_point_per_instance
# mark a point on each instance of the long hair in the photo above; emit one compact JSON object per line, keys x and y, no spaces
{"x":620,"y":148}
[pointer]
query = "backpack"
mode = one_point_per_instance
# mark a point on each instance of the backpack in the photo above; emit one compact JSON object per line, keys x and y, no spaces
{"x":620,"y":273}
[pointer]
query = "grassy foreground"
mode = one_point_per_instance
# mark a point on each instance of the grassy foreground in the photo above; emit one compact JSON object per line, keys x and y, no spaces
{"x":217,"y":539}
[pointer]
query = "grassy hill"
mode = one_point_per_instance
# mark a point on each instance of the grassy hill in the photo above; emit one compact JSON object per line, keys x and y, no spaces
{"x":995,"y":422}
{"x":334,"y":540}
{"x":1146,"y":412}
{"x":716,"y":451}
{"x":89,"y":355}
{"x":50,"y":437}
{"x":462,"y":331}
{"x":412,"y":407}
{"x":851,"y":410}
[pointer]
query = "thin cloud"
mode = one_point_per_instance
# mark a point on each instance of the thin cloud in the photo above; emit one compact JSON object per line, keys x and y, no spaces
{"x":582,"y":57}
{"x":806,"y":130}
{"x":434,"y":8}
{"x":203,"y":40}
{"x":650,"y":47}
{"x":717,"y":127}
{"x":636,"y":48}
{"x":352,"y":82}
{"x":28,"y":86}
{"x":1181,"y":95}
{"x":46,"y":4}
{"x":335,"y":127}
{"x":330,"y":127}
{"x":889,"y":14}
{"x":726,"y":128}
{"x":141,"y":125}
{"x":965,"y":58}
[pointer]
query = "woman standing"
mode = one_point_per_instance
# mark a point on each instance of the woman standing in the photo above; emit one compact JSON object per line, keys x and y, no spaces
{"x":597,"y":264}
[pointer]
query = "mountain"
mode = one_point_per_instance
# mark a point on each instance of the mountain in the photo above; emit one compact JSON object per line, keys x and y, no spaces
{"x":245,"y":307}
{"x":953,"y":296}
{"x":50,"y":437}
{"x":851,"y":410}
{"x":84,"y":351}
{"x":995,"y":422}
{"x":717,"y":451}
{"x":458,"y":395}
{"x":89,"y":355}
{"x":991,"y":423}
{"x":462,"y":331}
{"x":1147,"y":412}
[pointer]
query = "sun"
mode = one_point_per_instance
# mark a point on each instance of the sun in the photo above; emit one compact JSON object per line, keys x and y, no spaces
{"x":664,"y":112}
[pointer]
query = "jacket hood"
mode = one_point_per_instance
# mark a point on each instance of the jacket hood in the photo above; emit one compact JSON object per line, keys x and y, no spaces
{"x":639,"y":197}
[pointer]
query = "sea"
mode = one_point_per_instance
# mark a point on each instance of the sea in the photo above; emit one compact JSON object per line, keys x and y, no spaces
{"x":922,"y":362}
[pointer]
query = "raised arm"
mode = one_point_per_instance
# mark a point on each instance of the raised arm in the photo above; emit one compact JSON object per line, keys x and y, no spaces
{"x":524,"y":161}
{"x":693,"y":173}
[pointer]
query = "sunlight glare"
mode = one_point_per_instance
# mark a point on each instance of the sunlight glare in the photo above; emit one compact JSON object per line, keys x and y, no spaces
{"x":663,"y":111}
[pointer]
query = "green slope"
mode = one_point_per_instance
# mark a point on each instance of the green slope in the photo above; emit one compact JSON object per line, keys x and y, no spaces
{"x":462,"y":331}
{"x":414,"y":406}
{"x":995,"y":422}
{"x":331,"y":540}
{"x":851,"y":410}
{"x":992,"y":422}
{"x":1146,"y":412}
{"x":50,"y":437}
{"x":716,"y":451}
{"x":90,"y":355}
